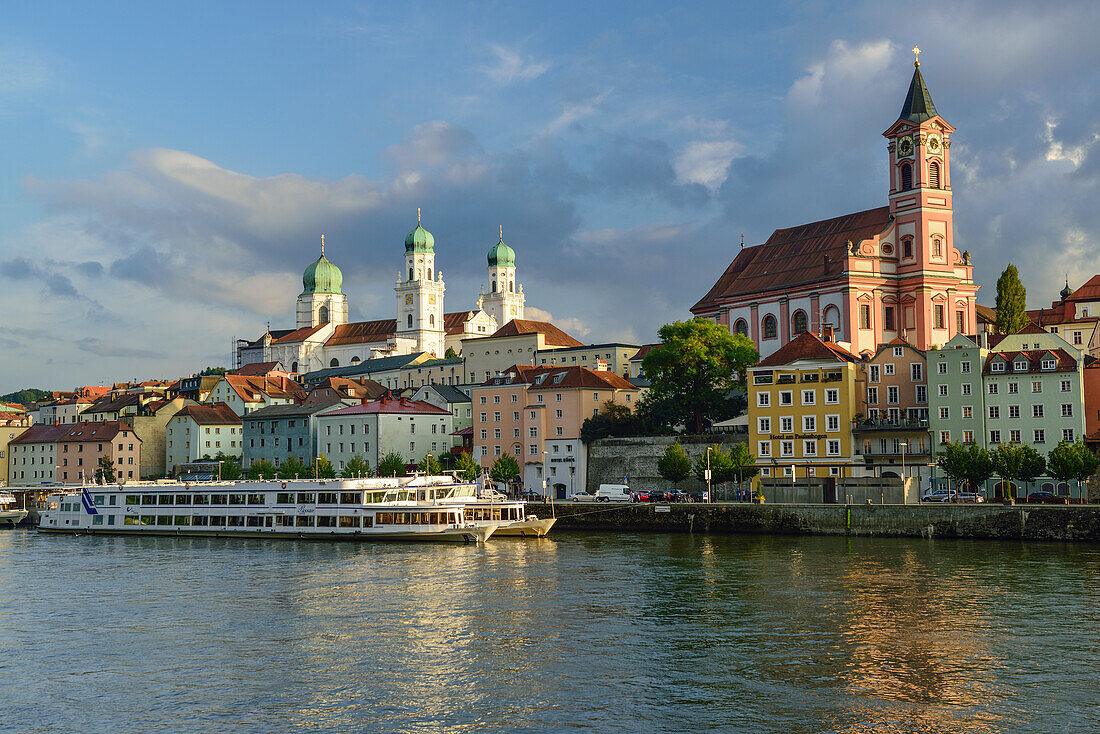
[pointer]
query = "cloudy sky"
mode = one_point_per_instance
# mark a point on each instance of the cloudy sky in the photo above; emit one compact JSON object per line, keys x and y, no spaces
{"x":168,"y":168}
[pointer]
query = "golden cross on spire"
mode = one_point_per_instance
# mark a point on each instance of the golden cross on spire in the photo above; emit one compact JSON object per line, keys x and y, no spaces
{"x":418,"y":215}
{"x":322,"y":245}
{"x":916,"y":56}
{"x":502,"y":233}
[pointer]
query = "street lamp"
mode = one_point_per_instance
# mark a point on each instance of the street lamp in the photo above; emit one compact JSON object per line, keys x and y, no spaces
{"x":708,"y":473}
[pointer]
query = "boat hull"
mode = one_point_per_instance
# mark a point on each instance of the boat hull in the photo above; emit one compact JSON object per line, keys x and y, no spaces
{"x":12,"y":517}
{"x":527,"y":528}
{"x":456,"y":535}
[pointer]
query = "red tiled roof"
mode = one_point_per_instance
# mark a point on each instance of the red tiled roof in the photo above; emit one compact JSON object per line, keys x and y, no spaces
{"x":1060,"y":312}
{"x":645,"y":349}
{"x":210,"y":414}
{"x":344,"y":388}
{"x":113,"y":404}
{"x":807,"y":345}
{"x":1090,"y":291}
{"x":454,"y":323}
{"x":42,"y":433}
{"x":1066,"y":362}
{"x":247,"y":387}
{"x":552,"y":335}
{"x":388,"y":405}
{"x":985,"y":313}
{"x":561,"y":377}
{"x":795,"y":256}
{"x":257,"y":369}
{"x":92,"y":431}
{"x":362,"y":332}
{"x":298,"y":335}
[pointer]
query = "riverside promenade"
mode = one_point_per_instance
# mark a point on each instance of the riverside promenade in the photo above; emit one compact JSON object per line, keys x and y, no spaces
{"x":1078,"y":523}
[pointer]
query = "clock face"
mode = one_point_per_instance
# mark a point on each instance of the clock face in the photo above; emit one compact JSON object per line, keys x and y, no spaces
{"x":431,"y":299}
{"x":934,"y":143}
{"x":408,"y":299}
{"x":905,"y":146}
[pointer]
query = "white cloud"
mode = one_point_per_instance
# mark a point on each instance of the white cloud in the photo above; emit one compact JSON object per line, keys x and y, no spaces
{"x":706,"y":162}
{"x":846,"y":68}
{"x":574,"y":112}
{"x":510,"y":67}
{"x":573,"y":326}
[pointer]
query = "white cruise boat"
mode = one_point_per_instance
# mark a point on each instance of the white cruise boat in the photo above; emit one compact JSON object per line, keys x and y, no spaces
{"x":8,"y":512}
{"x":403,"y":508}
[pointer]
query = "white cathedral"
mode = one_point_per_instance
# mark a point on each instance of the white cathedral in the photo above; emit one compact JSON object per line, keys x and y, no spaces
{"x":323,"y":337}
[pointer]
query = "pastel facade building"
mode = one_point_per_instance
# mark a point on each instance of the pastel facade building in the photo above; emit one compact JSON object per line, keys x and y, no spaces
{"x":873,"y":276}
{"x":802,"y":399}
{"x":245,"y":394}
{"x":517,"y":342}
{"x":201,"y":430}
{"x":84,"y":444}
{"x":12,"y":426}
{"x":893,"y":436}
{"x":410,"y":428}
{"x":453,"y":399}
{"x":1074,"y":317}
{"x":614,"y":356}
{"x":535,"y":415}
{"x":32,"y":455}
{"x":279,"y":432}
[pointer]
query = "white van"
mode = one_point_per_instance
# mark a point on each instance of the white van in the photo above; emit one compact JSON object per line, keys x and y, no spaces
{"x":613,"y":493}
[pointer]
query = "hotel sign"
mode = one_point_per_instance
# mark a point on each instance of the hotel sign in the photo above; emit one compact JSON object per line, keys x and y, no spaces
{"x":778,"y":436}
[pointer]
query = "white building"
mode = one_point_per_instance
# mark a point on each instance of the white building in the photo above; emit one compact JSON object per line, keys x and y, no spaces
{"x":201,"y":430}
{"x":407,"y":427}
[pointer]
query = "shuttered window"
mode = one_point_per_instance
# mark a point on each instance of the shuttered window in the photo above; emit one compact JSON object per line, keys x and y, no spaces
{"x":934,"y":174}
{"x":906,"y":177}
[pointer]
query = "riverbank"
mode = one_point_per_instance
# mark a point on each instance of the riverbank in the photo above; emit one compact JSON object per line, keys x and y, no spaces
{"x":929,"y":520}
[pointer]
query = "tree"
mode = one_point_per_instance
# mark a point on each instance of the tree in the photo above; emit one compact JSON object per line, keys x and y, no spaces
{"x":357,"y":467}
{"x":744,"y":463}
{"x":105,"y":472}
{"x":721,"y":468}
{"x":953,"y":461}
{"x":450,"y":354}
{"x":966,"y":463}
{"x":468,"y":470}
{"x":614,"y":419}
{"x":429,"y":465}
{"x":1011,"y":302}
{"x":213,"y":371}
{"x":1072,"y":461}
{"x":1013,"y":461}
{"x":675,"y":465}
{"x":294,"y":468}
{"x":391,"y":465}
{"x":230,"y":466}
{"x":322,"y":468}
{"x":696,"y":369}
{"x":260,"y":469}
{"x":505,"y":469}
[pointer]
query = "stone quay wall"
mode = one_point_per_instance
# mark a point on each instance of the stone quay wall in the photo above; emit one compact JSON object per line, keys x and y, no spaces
{"x":610,"y":459}
{"x":930,"y":520}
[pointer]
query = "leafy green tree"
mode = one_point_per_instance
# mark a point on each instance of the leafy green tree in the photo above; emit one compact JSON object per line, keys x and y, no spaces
{"x":696,"y":369}
{"x":429,"y":465}
{"x":105,"y":472}
{"x":357,"y":467}
{"x":505,"y":469}
{"x":261,"y":469}
{"x":675,"y":465}
{"x":468,"y":469}
{"x":391,"y":465}
{"x":213,"y":371}
{"x":1011,"y":302}
{"x":450,"y":353}
{"x":25,"y":397}
{"x":744,"y":463}
{"x":966,"y":463}
{"x":294,"y":468}
{"x":614,"y":419}
{"x":721,"y":468}
{"x":1013,"y":461}
{"x":1072,"y":462}
{"x":322,"y":468}
{"x":230,"y":466}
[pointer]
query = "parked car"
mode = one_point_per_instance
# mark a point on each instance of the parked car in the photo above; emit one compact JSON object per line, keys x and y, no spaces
{"x":1043,"y":497}
{"x":966,"y":497}
{"x":639,"y":495}
{"x":582,"y":497}
{"x":675,"y":495}
{"x":658,"y":495}
{"x":613,"y":493}
{"x":935,"y":495}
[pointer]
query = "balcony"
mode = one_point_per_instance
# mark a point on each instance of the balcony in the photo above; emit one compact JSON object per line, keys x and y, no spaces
{"x":887,"y":424}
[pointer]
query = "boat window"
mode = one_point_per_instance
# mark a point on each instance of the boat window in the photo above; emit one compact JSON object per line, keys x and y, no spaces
{"x":217,"y":499}
{"x":164,"y":519}
{"x":304,"y":521}
{"x":183,"y":499}
{"x":284,"y":498}
{"x":349,"y":498}
{"x":147,"y":520}
{"x":326,"y":498}
{"x":254,"y":521}
{"x":146,"y":499}
{"x":236,"y":499}
{"x":257,"y":499}
{"x":306,"y":498}
{"x":99,"y":500}
{"x":182,"y":520}
{"x":349,"y":522}
{"x":97,"y":519}
{"x":165,"y":499}
{"x":199,"y":520}
{"x":130,"y":520}
{"x":235,"y":521}
{"x":368,"y":522}
{"x":326,"y":521}
{"x":218,"y":520}
{"x":284,"y":521}
{"x":200,"y":499}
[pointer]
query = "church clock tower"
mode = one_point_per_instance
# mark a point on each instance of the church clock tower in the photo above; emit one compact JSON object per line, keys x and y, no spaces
{"x":505,"y":298}
{"x":420,"y":296}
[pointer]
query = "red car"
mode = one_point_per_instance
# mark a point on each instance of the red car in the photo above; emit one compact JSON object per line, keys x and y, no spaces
{"x":639,"y":495}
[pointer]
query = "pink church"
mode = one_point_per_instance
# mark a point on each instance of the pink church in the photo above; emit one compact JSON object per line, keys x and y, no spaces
{"x":873,"y":275}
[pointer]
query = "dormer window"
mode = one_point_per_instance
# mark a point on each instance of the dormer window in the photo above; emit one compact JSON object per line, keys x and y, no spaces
{"x":1048,"y":364}
{"x":997,"y":367}
{"x":1020,"y":366}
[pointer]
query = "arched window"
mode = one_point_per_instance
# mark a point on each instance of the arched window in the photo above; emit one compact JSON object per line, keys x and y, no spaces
{"x":334,"y":363}
{"x":410,"y":321}
{"x":937,"y":247}
{"x":293,"y":366}
{"x":906,"y":177}
{"x":355,"y":359}
{"x":429,"y":273}
{"x":494,"y":285}
{"x":511,"y":287}
{"x":831,"y":317}
{"x":410,"y":273}
{"x":907,"y":247}
{"x":934,"y":174}
{"x":431,"y":319}
{"x":741,"y":327}
{"x":769,"y":327}
{"x":322,"y":315}
{"x":799,"y":322}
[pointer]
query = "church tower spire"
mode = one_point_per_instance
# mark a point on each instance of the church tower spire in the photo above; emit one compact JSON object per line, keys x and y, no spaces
{"x":505,"y":298}
{"x":420,"y":296}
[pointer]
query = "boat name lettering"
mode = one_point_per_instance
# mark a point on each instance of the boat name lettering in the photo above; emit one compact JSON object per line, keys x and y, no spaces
{"x":307,"y":509}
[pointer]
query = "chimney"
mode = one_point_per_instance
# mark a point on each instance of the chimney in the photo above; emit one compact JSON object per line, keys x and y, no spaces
{"x":404,"y":400}
{"x":827,"y":334}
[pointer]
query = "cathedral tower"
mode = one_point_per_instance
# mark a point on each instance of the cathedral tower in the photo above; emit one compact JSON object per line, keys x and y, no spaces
{"x":322,"y":300}
{"x":505,"y":298}
{"x":420,"y":296}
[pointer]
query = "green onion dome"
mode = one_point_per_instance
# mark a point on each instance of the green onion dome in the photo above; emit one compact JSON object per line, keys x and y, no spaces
{"x":501,"y":255}
{"x":419,"y":240}
{"x":322,"y":277}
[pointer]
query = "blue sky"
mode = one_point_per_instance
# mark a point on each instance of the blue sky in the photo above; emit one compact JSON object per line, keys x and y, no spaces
{"x":167,"y":170}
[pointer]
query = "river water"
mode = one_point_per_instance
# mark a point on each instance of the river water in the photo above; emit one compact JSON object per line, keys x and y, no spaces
{"x":604,"y":632}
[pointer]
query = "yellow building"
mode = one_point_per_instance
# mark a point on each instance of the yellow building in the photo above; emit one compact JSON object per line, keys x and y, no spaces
{"x":14,"y":422}
{"x":802,"y":399}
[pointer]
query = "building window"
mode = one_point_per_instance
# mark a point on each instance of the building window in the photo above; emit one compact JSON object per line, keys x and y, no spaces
{"x":832,"y":422}
{"x":832,"y":396}
{"x":786,"y":424}
{"x":809,"y":423}
{"x":864,"y":316}
{"x":874,"y":373}
{"x":938,"y":310}
{"x":872,"y":395}
{"x":763,"y":425}
{"x":968,"y":436}
{"x":833,"y":447}
{"x":1014,"y":436}
{"x":1067,"y":434}
{"x":809,"y":448}
{"x":799,"y":322}
{"x":741,"y":327}
{"x":1013,"y":411}
{"x":786,"y":397}
{"x":960,"y":322}
{"x":907,"y":247}
{"x":945,"y":413}
{"x":994,"y":436}
{"x":1040,"y":436}
{"x":763,"y":399}
{"x":993,"y":388}
{"x":1065,"y":385}
{"x":968,"y":411}
{"x":764,"y":448}
{"x":934,"y":175}
{"x":922,"y":394}
{"x":808,"y":397}
{"x":966,"y":388}
{"x":906,"y":177}
{"x":1036,"y":411}
{"x":888,"y":318}
{"x":1067,"y":410}
{"x":1036,"y":387}
{"x":769,"y":327}
{"x":994,"y":412}
{"x":786,"y":448}
{"x":916,"y":372}
{"x":937,"y":247}
{"x":943,"y":391}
